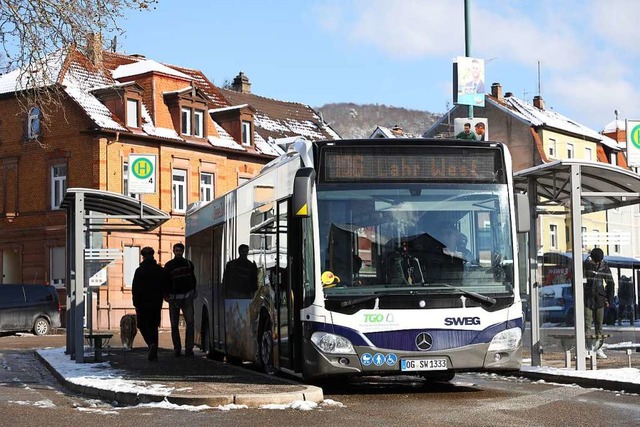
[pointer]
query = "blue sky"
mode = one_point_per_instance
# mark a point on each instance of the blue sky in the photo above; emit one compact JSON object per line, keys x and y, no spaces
{"x":399,"y":52}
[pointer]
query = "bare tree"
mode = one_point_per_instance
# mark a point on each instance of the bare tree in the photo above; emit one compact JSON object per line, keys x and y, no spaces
{"x":32,"y":31}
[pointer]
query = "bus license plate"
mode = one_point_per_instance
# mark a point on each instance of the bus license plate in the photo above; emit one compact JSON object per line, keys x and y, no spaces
{"x":423,"y":364}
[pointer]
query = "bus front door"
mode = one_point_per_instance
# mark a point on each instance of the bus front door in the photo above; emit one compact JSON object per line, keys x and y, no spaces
{"x":284,"y":301}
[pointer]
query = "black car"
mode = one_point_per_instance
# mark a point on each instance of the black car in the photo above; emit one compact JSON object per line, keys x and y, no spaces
{"x":29,"y":308}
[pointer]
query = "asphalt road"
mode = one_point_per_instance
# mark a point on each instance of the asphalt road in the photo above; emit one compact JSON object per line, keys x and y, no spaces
{"x":29,"y":395}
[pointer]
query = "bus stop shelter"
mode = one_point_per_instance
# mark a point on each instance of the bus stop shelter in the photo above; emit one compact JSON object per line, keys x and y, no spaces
{"x":90,"y":210}
{"x":574,"y":187}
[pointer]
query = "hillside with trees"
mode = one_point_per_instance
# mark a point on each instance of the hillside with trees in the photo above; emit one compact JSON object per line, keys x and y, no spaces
{"x":359,"y":121}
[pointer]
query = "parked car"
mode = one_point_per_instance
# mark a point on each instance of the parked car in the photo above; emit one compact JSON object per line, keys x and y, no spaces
{"x":33,"y":308}
{"x":556,"y":304}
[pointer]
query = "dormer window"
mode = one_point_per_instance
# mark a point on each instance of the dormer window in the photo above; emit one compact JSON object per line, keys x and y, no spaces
{"x":246,"y":133}
{"x":133,"y":113}
{"x":188,"y":108}
{"x":186,"y":121}
{"x":33,"y":123}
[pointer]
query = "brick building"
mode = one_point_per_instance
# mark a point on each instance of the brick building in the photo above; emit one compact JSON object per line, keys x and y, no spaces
{"x":114,"y":105}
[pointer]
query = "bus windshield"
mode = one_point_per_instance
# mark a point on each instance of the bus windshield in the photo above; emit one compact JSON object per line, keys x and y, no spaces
{"x":395,"y":237}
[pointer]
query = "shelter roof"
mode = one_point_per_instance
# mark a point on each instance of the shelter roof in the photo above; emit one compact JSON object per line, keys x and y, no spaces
{"x":603,"y":186}
{"x":130,"y":211}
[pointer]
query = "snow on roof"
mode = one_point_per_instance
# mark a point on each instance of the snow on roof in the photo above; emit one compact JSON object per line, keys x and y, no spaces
{"x":78,"y":83}
{"x":305,"y":128}
{"x":17,"y":80}
{"x":232,"y":107}
{"x":266,"y":148}
{"x":224,"y":140}
{"x":615,"y":125}
{"x":538,"y":117}
{"x":183,"y":90}
{"x":146,"y":66}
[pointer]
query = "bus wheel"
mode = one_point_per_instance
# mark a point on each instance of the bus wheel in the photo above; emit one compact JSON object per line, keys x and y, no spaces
{"x":265,"y":347}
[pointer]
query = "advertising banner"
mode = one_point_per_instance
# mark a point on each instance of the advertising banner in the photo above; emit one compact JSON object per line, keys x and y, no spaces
{"x":478,"y":128}
{"x":468,"y":81}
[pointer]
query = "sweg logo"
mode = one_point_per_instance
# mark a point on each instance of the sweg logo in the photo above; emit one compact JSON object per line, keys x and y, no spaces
{"x":377,"y":318}
{"x":449,"y":321}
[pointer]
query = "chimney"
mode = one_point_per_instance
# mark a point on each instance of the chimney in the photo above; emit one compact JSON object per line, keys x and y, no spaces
{"x":241,"y":83}
{"x":538,"y":102}
{"x":496,"y":91}
{"x":94,"y":48}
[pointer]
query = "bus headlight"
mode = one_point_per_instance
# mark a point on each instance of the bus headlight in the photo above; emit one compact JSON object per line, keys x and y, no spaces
{"x":332,"y":344}
{"x":508,"y":340}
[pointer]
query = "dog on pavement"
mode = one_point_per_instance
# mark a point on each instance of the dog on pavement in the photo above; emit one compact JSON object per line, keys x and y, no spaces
{"x":128,"y":330}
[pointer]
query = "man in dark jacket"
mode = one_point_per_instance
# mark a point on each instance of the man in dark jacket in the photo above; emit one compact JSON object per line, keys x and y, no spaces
{"x":147,"y":291}
{"x":180,"y":292}
{"x":597,"y":296}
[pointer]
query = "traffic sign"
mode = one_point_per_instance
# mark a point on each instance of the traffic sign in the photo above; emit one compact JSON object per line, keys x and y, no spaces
{"x":142,"y":173}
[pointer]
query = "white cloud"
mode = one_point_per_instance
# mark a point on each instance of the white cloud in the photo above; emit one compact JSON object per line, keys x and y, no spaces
{"x":595,"y":98}
{"x":402,"y":29}
{"x":616,"y":21}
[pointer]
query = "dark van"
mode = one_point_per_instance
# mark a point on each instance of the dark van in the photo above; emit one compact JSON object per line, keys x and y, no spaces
{"x":33,"y":308}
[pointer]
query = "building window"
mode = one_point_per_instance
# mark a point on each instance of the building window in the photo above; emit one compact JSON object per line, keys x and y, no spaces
{"x":33,"y":123}
{"x":206,"y":187}
{"x":198,"y":123}
{"x":58,"y":185}
{"x":587,"y":154}
{"x":243,"y":179}
{"x":552,"y":148}
{"x":179,"y":190}
{"x":57,"y":264}
{"x":570,"y":151}
{"x":246,"y":133}
{"x":614,"y":158}
{"x":130,"y":261}
{"x":584,"y":236}
{"x":133,"y":109}
{"x":186,"y":121}
{"x":553,"y":236}
{"x":125,"y":182}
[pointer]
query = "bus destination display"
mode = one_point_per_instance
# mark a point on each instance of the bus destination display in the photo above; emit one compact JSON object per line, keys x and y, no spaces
{"x":411,"y":164}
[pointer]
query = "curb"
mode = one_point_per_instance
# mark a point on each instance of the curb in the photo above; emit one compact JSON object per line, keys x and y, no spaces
{"x":252,"y":400}
{"x":582,"y":382}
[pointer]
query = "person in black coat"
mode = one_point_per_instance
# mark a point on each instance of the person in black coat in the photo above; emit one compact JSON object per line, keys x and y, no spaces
{"x":148,"y":283}
{"x":597,"y":295}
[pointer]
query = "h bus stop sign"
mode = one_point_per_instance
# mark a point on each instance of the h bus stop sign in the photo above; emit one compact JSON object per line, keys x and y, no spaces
{"x":142,"y":173}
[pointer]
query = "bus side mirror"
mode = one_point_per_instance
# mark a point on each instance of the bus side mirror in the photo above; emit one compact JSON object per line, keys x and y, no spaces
{"x":302,"y":187}
{"x":523,"y":215}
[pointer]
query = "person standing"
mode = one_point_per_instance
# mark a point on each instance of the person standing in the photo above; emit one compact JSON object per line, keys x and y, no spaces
{"x":466,"y":133}
{"x":147,"y":292}
{"x":597,"y":296}
{"x":480,"y":131}
{"x":180,"y":292}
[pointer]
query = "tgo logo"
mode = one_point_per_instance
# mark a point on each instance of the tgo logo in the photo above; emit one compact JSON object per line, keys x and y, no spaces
{"x":373,"y":318}
{"x":451,"y":321}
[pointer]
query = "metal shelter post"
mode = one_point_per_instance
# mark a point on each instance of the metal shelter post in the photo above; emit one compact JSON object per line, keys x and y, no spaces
{"x":534,"y":303}
{"x":77,"y":303}
{"x":576,"y":241}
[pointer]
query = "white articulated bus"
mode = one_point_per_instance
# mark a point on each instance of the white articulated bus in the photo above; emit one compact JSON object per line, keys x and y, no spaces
{"x":365,"y":257}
